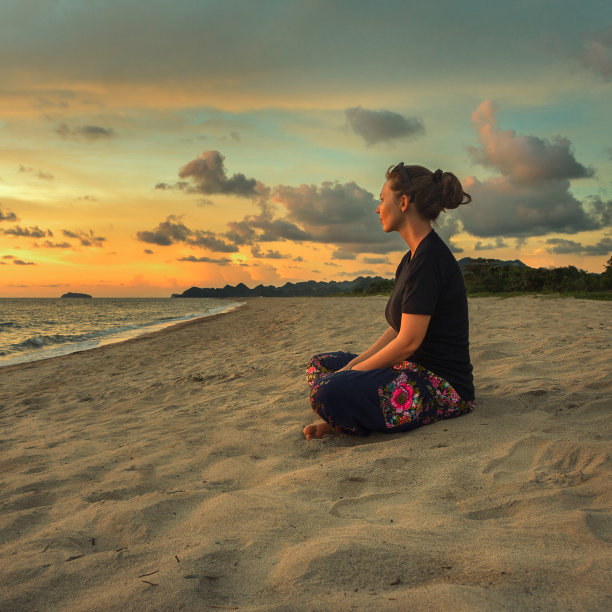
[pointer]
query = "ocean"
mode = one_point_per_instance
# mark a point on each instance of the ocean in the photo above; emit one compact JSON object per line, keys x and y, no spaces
{"x":37,"y":328}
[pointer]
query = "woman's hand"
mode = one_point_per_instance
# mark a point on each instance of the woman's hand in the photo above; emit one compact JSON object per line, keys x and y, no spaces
{"x":412,"y":332}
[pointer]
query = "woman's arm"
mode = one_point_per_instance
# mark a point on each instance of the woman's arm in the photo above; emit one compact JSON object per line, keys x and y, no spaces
{"x":412,"y":332}
{"x":388,"y":335}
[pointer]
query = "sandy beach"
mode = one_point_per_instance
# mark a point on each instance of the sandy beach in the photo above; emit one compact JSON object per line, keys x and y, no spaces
{"x":169,"y":472}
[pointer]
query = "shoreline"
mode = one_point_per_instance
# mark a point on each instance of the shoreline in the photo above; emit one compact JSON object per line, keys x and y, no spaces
{"x":176,"y":458}
{"x":114,"y":338}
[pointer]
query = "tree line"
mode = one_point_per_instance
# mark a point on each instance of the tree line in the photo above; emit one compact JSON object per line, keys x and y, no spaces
{"x":482,"y":276}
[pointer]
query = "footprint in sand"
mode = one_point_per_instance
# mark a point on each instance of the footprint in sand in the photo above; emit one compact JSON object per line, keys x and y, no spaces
{"x":555,"y":464}
{"x":599,"y":523}
{"x":372,"y":508}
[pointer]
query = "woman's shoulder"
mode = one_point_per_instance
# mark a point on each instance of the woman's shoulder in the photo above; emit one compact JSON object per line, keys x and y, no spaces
{"x":432,"y":244}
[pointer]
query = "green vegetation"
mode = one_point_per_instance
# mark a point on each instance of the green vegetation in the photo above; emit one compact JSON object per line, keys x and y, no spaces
{"x":485,"y":278}
{"x":379,"y":286}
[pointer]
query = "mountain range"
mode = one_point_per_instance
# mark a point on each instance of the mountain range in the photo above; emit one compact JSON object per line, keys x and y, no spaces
{"x":360,"y":284}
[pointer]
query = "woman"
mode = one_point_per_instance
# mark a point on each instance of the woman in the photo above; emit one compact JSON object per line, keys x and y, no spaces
{"x":419,"y":370}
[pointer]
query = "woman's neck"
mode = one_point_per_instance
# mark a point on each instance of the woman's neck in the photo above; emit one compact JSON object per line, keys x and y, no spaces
{"x":413,"y":233}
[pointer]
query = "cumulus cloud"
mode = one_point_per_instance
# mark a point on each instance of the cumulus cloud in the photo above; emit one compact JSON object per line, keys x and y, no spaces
{"x":530,"y":196}
{"x":172,"y":231}
{"x":446,"y":226}
{"x":20,"y":262}
{"x":342,"y":214}
{"x":597,"y":54}
{"x":27,"y":232}
{"x":270,"y":254}
{"x":223,"y":261}
{"x":85,"y":132}
{"x":207,"y":175}
{"x":561,"y":246}
{"x":8,"y":215}
{"x":382,"y":125}
{"x":489,"y":246}
{"x":523,"y":160}
{"x":166,"y":233}
{"x":334,"y":213}
{"x":40,"y":174}
{"x":599,"y":210}
{"x":85,"y":238}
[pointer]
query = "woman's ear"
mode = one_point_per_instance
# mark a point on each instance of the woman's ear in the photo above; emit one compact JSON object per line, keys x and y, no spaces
{"x":404,"y":202}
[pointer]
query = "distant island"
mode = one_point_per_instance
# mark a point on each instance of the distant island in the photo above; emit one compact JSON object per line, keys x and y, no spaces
{"x":480,"y":275}
{"x":75,"y":295}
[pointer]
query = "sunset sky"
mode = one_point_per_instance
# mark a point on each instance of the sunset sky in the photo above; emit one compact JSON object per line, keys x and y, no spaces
{"x":150,"y":146}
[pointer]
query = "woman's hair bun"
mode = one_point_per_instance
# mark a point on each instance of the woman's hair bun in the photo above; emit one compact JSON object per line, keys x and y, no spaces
{"x":431,"y":192}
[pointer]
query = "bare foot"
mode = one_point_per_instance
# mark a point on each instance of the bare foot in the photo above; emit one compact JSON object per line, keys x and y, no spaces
{"x":318,"y":430}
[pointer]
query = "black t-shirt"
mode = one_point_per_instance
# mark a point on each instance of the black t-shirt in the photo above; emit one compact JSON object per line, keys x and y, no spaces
{"x":431,"y":283}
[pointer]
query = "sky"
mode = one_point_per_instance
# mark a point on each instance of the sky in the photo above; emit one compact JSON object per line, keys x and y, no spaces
{"x":150,"y":146}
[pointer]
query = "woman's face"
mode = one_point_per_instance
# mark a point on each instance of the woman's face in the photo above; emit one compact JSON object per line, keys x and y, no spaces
{"x":390,"y":209}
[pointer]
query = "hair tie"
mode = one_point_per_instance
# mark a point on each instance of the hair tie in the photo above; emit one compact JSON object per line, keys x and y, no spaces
{"x":437,"y":176}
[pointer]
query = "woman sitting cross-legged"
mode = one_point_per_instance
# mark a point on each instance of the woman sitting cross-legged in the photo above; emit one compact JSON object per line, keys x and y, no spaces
{"x":419,"y":370}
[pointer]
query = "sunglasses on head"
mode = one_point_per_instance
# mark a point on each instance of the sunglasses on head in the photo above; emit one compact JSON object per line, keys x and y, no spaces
{"x":402,"y":170}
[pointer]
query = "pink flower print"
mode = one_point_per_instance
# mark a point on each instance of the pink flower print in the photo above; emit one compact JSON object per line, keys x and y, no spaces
{"x":435,"y":381}
{"x":402,"y":398}
{"x":455,"y":396}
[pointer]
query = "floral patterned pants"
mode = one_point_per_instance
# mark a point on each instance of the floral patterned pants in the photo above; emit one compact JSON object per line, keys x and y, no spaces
{"x":392,"y":399}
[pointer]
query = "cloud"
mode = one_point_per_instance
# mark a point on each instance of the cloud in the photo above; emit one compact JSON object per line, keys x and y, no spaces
{"x":332,"y":213}
{"x":86,"y":132}
{"x":20,"y":262}
{"x":523,"y":160}
{"x":148,"y":251}
{"x":85,"y":238}
{"x":382,"y":125}
{"x":375,"y":260}
{"x":55,"y":245}
{"x":28,"y":232}
{"x":172,"y":231}
{"x":45,"y":176}
{"x":88,"y":198}
{"x":562,"y":246}
{"x":446,"y":226}
{"x":357,"y":273}
{"x":166,"y":233}
{"x":209,"y":240}
{"x":339,"y":214}
{"x":223,"y":261}
{"x":206,"y":175}
{"x":8,"y":215}
{"x":489,"y":246}
{"x":598,"y":210}
{"x":597,"y":54}
{"x":340,"y":254}
{"x":530,"y":196}
{"x":258,"y":253}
